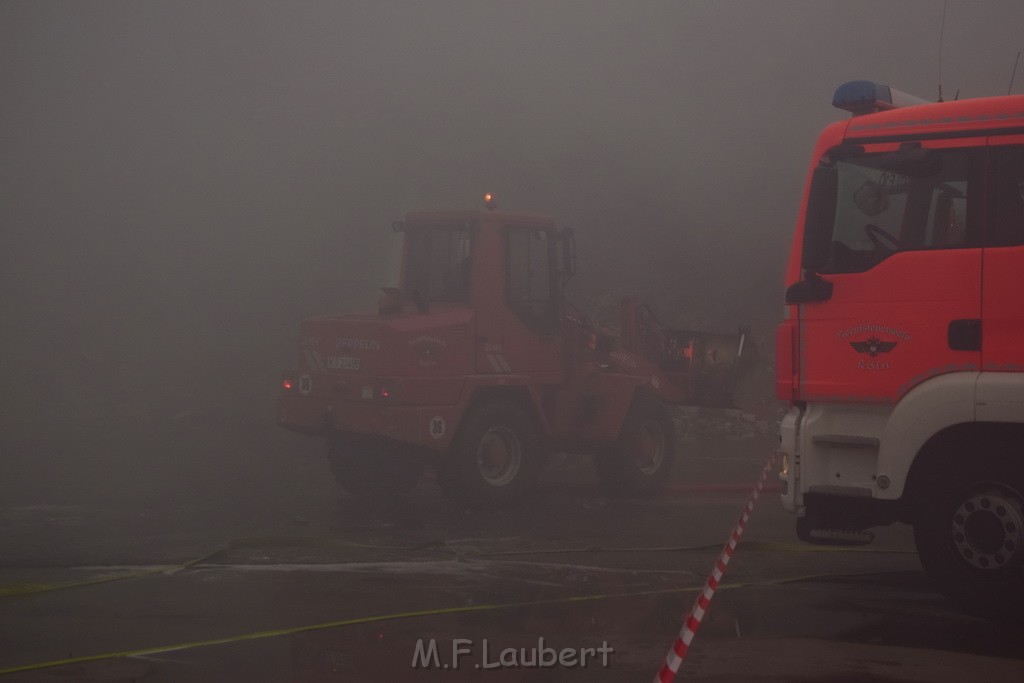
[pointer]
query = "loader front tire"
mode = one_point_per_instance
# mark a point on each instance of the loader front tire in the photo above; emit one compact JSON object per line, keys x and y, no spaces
{"x":640,"y":461}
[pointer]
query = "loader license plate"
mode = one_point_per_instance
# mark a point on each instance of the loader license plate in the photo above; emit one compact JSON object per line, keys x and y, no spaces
{"x":342,"y":363}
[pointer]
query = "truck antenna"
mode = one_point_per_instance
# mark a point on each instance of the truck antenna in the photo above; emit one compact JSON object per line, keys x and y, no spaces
{"x":942,"y":31}
{"x":1014,"y":74}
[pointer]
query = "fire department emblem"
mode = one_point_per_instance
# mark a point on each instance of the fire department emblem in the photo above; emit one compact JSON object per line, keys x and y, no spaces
{"x":873,"y":346}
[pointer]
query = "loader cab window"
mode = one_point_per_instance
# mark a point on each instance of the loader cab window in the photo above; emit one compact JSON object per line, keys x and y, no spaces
{"x":438,"y":262}
{"x":912,"y":200}
{"x":533,"y":291}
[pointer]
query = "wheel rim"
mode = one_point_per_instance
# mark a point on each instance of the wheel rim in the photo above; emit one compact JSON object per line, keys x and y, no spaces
{"x":987,"y":529}
{"x":650,"y":447}
{"x":499,"y":456}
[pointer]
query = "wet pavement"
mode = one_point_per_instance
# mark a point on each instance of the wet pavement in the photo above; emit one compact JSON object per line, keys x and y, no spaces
{"x":240,"y":561}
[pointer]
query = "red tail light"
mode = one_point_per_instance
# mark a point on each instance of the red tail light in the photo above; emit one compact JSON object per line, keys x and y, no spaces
{"x":287,"y":384}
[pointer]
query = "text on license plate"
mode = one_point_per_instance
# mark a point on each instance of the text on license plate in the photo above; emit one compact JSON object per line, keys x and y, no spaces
{"x":342,"y":363}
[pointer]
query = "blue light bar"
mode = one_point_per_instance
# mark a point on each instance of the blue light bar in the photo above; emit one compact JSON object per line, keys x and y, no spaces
{"x":867,"y":97}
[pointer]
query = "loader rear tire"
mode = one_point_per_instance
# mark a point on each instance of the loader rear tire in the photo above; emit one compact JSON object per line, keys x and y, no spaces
{"x":496,"y":458}
{"x":641,"y":460}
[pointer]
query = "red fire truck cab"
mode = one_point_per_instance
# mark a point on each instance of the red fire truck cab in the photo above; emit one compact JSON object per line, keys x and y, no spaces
{"x":902,"y":353}
{"x":476,"y":366}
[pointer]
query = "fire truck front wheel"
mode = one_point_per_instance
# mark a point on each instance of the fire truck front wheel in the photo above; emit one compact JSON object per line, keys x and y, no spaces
{"x":641,"y":459}
{"x":969,"y":532}
{"x":372,"y":470}
{"x":496,"y":458}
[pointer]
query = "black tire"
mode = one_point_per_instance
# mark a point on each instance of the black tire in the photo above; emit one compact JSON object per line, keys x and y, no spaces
{"x":641,"y":460}
{"x":373,"y":470}
{"x":969,"y":533}
{"x":496,"y":458}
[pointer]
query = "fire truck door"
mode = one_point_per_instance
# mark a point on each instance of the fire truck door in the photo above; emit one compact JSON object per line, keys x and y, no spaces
{"x":904,"y":264}
{"x":1003,"y":281}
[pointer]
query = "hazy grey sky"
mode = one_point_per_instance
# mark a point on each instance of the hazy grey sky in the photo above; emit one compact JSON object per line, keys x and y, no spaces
{"x":208,"y":168}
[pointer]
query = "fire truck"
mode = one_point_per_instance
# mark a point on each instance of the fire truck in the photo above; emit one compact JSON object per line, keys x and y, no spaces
{"x":902,"y":351}
{"x":476,"y":366}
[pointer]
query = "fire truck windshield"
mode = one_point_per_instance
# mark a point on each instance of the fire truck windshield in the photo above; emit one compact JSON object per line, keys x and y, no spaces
{"x":885,"y":203}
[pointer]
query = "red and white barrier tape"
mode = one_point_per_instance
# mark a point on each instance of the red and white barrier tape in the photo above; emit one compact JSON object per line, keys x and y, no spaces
{"x":691,"y":623}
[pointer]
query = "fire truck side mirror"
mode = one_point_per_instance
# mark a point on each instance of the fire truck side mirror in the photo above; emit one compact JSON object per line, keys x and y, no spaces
{"x":813,"y":288}
{"x":820,"y":217}
{"x":568,"y":254}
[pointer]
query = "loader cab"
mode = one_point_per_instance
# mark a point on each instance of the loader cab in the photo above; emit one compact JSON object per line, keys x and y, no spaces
{"x":509,"y":268}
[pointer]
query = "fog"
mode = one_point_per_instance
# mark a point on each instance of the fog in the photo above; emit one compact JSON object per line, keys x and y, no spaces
{"x":181,"y":183}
